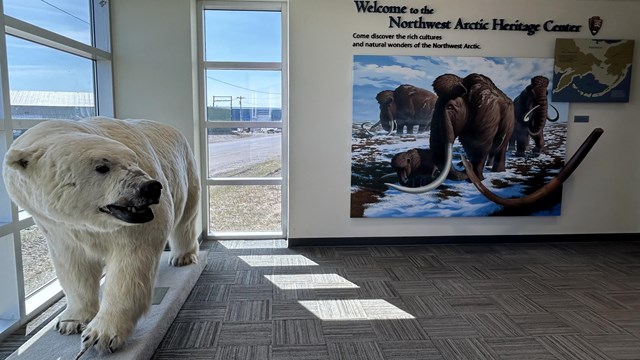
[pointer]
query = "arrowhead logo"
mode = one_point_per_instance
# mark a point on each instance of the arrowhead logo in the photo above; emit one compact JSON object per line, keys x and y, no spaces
{"x":595,"y":24}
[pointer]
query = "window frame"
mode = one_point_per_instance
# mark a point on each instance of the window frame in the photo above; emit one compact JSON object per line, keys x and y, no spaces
{"x":16,"y":307}
{"x":282,"y":67}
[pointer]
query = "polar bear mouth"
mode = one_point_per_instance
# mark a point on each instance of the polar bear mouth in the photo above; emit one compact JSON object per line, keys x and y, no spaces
{"x":129,"y":214}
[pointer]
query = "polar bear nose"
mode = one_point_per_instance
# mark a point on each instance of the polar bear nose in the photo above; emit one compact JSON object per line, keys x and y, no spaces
{"x":151,"y":190}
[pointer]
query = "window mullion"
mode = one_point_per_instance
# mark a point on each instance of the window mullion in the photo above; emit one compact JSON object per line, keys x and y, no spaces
{"x":230,"y":65}
{"x":103,"y":72}
{"x":12,"y":304}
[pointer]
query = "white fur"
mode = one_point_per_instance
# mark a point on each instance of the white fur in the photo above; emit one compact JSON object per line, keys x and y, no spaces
{"x":50,"y":171}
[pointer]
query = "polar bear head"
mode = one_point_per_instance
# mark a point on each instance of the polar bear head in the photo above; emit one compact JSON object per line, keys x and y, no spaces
{"x":85,"y":181}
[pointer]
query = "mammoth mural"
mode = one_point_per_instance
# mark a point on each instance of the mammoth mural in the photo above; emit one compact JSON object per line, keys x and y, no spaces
{"x":531,"y":186}
{"x":531,"y":113}
{"x":476,"y":112}
{"x":404,"y":107}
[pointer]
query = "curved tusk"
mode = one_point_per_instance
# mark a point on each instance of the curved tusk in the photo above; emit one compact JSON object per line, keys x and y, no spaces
{"x":557,"y":114}
{"x":368,"y":131}
{"x":545,"y":190}
{"x":389,"y":176}
{"x":527,"y":116}
{"x":435,"y":183}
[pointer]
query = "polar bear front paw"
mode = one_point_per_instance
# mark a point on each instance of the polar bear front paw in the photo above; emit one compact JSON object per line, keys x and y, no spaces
{"x":182,"y":260}
{"x":73,"y":322}
{"x":106,"y":336}
{"x":69,"y":326}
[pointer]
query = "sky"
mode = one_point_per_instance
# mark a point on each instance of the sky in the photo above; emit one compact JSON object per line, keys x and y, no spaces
{"x":254,"y":36}
{"x":372,"y":74}
{"x":36,"y":67}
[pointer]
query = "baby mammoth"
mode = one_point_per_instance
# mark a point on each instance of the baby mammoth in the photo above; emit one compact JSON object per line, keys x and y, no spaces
{"x":414,"y":167}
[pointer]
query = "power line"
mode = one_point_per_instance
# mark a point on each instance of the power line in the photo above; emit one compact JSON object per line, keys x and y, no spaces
{"x":243,"y":88}
{"x":64,"y":11}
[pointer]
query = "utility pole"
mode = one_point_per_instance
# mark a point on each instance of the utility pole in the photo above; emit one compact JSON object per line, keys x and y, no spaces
{"x":240,"y":102}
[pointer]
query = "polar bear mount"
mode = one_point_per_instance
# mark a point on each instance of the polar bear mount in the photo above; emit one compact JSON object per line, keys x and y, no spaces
{"x":107,"y":194}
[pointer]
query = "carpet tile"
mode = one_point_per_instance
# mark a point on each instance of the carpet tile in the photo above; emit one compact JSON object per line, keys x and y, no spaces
{"x":430,"y":305}
{"x":299,"y":352}
{"x":189,"y":335}
{"x":517,"y":304}
{"x":298,"y":332}
{"x":251,"y":352}
{"x":523,"y":348}
{"x":467,"y":348}
{"x":409,"y":350}
{"x":351,"y":331}
{"x":405,"y":329}
{"x":248,"y":311}
{"x":494,"y":325}
{"x":572,"y":347}
{"x":542,"y":324}
{"x":619,"y":347}
{"x":365,"y":350}
{"x":450,"y":326}
{"x":589,"y":323}
{"x":259,"y":333}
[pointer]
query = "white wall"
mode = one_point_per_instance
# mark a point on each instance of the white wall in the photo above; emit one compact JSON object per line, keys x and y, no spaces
{"x":600,"y":197}
{"x":154,"y":66}
{"x":154,"y":63}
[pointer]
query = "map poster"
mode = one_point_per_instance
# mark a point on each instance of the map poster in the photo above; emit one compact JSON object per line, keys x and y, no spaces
{"x":592,"y":70}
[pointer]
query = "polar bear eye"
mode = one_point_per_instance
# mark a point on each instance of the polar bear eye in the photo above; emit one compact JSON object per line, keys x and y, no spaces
{"x":102,"y":169}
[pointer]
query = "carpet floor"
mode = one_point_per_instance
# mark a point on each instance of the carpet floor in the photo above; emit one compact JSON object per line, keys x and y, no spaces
{"x":261,"y":300}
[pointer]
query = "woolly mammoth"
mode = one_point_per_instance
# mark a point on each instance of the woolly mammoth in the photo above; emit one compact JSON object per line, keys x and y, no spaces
{"x":531,"y":113}
{"x":475,"y":111}
{"x":414,"y":106}
{"x":404,"y":107}
{"x":414,"y":167}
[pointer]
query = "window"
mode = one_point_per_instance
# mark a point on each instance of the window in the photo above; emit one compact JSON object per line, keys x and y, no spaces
{"x":55,"y":62}
{"x":243,"y":90}
{"x":46,"y":83}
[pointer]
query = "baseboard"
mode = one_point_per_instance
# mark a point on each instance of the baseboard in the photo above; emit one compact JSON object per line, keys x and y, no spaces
{"x":465,"y":239}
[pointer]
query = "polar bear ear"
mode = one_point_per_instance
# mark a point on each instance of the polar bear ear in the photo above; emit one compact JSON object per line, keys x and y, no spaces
{"x":22,"y":158}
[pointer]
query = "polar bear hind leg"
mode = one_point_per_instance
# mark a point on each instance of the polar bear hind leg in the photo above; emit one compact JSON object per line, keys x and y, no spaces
{"x":184,"y":244}
{"x":183,"y":239}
